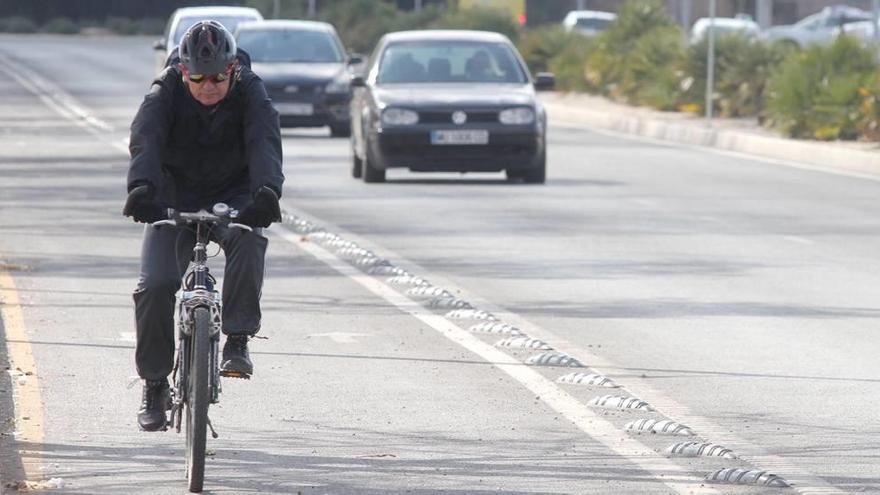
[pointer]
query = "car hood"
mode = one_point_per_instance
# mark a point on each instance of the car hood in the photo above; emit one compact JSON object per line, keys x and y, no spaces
{"x":287,"y":72}
{"x":454,"y":95}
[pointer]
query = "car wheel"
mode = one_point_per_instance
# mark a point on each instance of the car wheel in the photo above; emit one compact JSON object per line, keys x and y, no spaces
{"x":513,"y":174}
{"x":340,"y":131}
{"x":370,"y":172}
{"x":537,"y":174}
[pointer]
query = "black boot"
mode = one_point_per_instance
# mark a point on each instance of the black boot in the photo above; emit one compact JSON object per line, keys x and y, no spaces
{"x":236,"y":359}
{"x":156,"y":400}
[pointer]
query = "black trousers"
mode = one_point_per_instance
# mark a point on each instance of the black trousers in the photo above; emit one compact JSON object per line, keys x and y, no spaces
{"x":165,"y":255}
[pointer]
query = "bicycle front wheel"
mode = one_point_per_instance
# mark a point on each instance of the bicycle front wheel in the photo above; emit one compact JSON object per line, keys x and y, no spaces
{"x":198,"y":397}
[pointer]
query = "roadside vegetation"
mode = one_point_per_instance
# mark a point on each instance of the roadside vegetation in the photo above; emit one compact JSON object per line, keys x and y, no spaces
{"x":644,"y":58}
{"x":65,"y":25}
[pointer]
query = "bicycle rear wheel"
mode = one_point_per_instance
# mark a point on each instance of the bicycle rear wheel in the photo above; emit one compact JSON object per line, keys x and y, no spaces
{"x":198,"y":398}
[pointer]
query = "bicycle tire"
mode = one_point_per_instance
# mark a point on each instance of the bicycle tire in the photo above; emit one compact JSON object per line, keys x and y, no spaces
{"x":198,"y":398}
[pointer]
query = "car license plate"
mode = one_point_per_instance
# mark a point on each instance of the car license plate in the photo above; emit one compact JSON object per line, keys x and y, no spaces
{"x":460,"y":136}
{"x":295,"y":108}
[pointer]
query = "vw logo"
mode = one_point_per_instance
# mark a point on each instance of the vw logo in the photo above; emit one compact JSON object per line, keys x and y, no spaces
{"x":459,"y":117}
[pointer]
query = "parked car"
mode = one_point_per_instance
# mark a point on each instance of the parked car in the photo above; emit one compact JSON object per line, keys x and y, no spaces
{"x":864,"y":30}
{"x":588,"y":22}
{"x":184,"y":17}
{"x":724,"y":26}
{"x":820,"y":28}
{"x":305,"y":69}
{"x":454,"y":101}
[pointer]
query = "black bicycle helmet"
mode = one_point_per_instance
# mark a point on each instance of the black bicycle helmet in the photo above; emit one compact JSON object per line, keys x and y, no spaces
{"x":207,"y":48}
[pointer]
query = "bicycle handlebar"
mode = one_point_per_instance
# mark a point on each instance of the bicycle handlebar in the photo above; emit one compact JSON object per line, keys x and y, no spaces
{"x":223,"y":215}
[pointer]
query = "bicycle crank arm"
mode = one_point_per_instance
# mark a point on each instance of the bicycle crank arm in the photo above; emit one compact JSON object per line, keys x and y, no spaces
{"x":211,"y":427}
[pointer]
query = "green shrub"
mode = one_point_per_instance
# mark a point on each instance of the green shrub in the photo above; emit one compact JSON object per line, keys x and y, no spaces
{"x":553,"y":49}
{"x":60,"y":25}
{"x":820,"y":93}
{"x":121,"y":25}
{"x":538,"y":46}
{"x":638,"y":58}
{"x":361,"y":23}
{"x":149,"y":25}
{"x":17,"y":24}
{"x":743,"y":66}
{"x":569,"y":66}
{"x":479,"y":19}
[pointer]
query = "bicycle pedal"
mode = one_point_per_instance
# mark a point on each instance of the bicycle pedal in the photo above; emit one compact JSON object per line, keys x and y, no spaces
{"x":235,"y":374}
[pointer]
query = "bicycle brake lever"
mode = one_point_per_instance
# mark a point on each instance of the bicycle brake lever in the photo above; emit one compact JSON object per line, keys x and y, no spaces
{"x":241,"y":226}
{"x":164,"y":222}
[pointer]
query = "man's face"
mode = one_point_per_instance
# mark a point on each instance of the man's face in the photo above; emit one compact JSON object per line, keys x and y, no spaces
{"x":208,"y":89}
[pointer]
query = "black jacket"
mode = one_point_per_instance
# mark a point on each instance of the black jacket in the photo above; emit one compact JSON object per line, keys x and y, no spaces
{"x":195,"y":156}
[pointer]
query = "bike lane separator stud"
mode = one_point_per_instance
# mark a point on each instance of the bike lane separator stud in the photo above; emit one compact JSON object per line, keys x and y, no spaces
{"x":384,"y":270}
{"x":618,"y":402}
{"x":554,"y":359}
{"x":407,"y":280}
{"x":699,"y":449}
{"x":448,"y":303}
{"x":523,"y":342}
{"x":658,"y":426}
{"x":746,"y":477}
{"x":495,"y":327}
{"x":580,"y":378}
{"x":470,"y":314}
{"x":428,"y":292}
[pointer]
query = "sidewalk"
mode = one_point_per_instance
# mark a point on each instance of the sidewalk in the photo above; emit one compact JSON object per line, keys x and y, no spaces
{"x":739,"y":135}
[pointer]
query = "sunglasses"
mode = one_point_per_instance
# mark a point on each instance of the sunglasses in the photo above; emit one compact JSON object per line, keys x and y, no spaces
{"x":215,"y":78}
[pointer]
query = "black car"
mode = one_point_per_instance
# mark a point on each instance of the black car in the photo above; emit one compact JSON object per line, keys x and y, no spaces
{"x":454,"y":101}
{"x":305,"y":69}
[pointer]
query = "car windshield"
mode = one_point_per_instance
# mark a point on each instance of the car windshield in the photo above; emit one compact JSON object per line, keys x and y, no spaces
{"x":228,"y":21}
{"x":290,"y":45}
{"x":592,"y":23}
{"x":449,"y":62}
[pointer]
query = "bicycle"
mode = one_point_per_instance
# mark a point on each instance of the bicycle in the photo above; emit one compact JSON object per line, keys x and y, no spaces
{"x":196,"y":374}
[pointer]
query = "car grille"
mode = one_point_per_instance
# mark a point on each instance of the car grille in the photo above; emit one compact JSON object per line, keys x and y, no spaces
{"x":445,"y":117}
{"x":304,"y":91}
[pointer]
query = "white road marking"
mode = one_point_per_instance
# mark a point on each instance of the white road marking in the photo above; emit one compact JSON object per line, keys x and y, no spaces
{"x":341,"y":337}
{"x":802,"y":480}
{"x":60,"y":100}
{"x":799,"y":240}
{"x":650,"y":203}
{"x":603,"y":431}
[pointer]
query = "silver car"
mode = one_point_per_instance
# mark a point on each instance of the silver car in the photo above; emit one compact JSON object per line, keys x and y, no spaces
{"x":820,"y":28}
{"x":183,"y":18}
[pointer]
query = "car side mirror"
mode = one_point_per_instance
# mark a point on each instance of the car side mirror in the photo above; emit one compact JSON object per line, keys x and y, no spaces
{"x":544,"y":81}
{"x":159,"y":45}
{"x":358,"y":82}
{"x":355,"y":59}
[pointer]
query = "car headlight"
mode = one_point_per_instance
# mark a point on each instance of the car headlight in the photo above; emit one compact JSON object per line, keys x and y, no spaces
{"x":338,"y":85}
{"x":517,"y":116}
{"x":399,"y":116}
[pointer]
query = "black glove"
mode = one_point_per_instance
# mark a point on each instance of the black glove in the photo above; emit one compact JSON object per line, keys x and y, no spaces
{"x":263,"y":211}
{"x":141,"y":206}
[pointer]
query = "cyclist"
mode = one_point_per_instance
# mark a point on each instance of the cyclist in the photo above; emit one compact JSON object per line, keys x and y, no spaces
{"x":205,"y":133}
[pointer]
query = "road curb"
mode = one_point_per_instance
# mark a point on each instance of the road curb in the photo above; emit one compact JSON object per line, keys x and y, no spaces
{"x":826,"y":155}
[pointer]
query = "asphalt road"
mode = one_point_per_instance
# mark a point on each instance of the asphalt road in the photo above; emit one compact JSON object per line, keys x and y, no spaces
{"x":734,"y":296}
